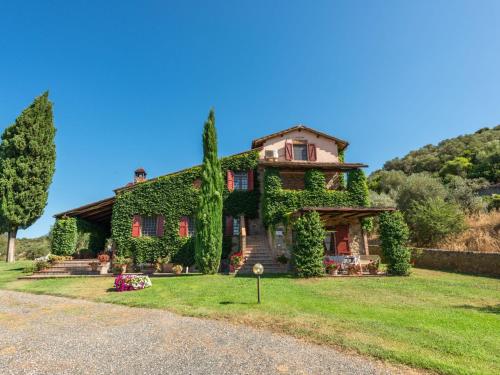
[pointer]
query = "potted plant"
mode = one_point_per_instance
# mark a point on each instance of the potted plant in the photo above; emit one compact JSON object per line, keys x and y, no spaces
{"x":103,"y":263}
{"x":121,"y":264}
{"x":177,"y":269}
{"x":332,"y":267}
{"x":162,"y":264}
{"x":373,"y":267}
{"x":235,"y":261}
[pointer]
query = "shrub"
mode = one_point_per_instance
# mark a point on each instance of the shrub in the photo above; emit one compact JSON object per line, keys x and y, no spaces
{"x":308,"y":247}
{"x":386,"y":182}
{"x":30,"y":268}
{"x":463,"y":192}
{"x":418,"y":188}
{"x":434,"y":219}
{"x":64,"y":236}
{"x":381,"y":200}
{"x":41,"y":265}
{"x":394,"y":238}
{"x":493,"y":202}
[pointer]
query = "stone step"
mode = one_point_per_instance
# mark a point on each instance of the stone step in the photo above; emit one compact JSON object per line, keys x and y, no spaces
{"x":50,"y":272}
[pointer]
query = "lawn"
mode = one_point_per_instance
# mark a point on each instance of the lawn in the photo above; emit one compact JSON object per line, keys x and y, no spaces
{"x":445,"y":322}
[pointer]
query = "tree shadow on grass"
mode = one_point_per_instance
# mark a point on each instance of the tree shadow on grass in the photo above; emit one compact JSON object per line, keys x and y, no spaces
{"x":268,"y":276}
{"x":234,"y":303}
{"x":492,"y":309}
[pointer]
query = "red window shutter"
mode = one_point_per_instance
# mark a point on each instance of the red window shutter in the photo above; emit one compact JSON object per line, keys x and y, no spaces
{"x":288,"y":151}
{"x":160,"y":221}
{"x":312,"y":152}
{"x":230,"y":180}
{"x":250,"y":180}
{"x":136,"y":226}
{"x":342,"y":239}
{"x":229,"y":225}
{"x":183,"y":227}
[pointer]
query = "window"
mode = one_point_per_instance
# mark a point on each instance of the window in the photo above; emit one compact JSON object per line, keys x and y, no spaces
{"x":191,"y":229}
{"x":149,"y":226}
{"x":240,"y":181}
{"x":236,"y":226}
{"x":300,"y":151}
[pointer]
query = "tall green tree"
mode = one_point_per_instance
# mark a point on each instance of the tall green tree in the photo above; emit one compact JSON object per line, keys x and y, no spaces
{"x":208,"y":241}
{"x":27,"y":164}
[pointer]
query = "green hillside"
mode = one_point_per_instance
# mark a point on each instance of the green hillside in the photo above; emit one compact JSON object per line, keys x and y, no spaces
{"x":471,"y":156}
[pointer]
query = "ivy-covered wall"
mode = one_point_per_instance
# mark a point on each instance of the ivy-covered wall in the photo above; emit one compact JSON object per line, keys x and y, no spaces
{"x":174,"y":196}
{"x":278,"y":202}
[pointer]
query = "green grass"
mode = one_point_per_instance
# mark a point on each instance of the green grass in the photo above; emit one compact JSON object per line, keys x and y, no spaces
{"x":445,"y":322}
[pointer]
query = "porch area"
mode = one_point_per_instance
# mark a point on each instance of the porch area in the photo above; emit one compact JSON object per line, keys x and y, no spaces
{"x":346,"y":250}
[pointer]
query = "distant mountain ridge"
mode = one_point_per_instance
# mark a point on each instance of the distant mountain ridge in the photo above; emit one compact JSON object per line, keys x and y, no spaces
{"x":474,"y":155}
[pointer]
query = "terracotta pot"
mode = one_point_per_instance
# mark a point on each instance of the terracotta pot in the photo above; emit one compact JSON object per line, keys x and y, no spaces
{"x":104,"y":268}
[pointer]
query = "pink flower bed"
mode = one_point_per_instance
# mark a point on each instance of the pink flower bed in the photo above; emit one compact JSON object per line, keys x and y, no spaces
{"x":125,"y":283}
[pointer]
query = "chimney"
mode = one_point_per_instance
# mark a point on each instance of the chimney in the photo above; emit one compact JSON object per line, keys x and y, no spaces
{"x":139,"y":175}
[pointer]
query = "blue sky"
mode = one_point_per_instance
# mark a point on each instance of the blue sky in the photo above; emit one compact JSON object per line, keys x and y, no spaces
{"x":132,"y":81}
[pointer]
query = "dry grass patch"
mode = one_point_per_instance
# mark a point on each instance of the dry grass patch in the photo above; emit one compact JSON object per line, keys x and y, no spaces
{"x":483,"y":234}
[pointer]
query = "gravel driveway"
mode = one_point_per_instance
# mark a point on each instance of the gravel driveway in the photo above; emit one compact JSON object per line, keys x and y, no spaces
{"x":53,"y":335}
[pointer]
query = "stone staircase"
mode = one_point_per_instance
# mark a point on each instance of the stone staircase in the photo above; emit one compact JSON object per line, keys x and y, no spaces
{"x":258,"y":251}
{"x":69,"y":267}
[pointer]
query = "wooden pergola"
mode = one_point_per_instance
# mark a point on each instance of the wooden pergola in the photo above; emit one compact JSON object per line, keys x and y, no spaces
{"x":339,"y":214}
{"x":99,"y":212}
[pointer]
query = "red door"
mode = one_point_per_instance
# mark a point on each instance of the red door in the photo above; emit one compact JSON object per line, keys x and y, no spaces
{"x":342,"y":239}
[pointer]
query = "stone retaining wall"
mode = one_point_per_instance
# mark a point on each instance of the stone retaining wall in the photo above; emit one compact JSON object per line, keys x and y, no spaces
{"x":474,"y":262}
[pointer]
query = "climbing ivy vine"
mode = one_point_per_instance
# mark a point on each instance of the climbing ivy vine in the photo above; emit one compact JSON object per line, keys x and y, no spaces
{"x":278,"y":203}
{"x":174,"y":196}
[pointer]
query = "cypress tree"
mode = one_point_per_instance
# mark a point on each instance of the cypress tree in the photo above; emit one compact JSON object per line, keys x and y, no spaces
{"x":208,"y":241}
{"x":27,"y":164}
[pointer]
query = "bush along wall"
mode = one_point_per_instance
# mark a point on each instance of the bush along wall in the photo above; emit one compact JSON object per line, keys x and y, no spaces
{"x":394,"y":236}
{"x":174,"y":196}
{"x":72,"y":236}
{"x":308,"y":248}
{"x":278,"y":203}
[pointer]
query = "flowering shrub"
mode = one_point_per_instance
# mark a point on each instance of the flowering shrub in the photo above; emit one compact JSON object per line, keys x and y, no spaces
{"x":103,"y":258}
{"x":235,"y":261}
{"x":131,"y":282}
{"x":330,"y":265}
